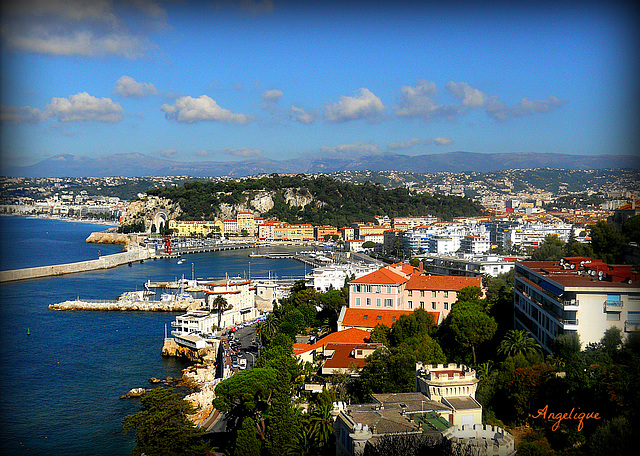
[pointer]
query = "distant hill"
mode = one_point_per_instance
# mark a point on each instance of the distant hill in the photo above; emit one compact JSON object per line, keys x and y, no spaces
{"x":134,"y":164}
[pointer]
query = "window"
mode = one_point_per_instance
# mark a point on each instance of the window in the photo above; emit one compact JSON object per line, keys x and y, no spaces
{"x":446,"y":306}
{"x":379,"y":317}
{"x":433,"y":305}
{"x":393,"y":318}
{"x":433,"y":294}
{"x":410,"y":304}
{"x":378,"y":302}
{"x":388,"y":302}
{"x":422,"y":293}
{"x":368,"y":301}
{"x":378,"y":289}
{"x":410,"y":292}
{"x":365,"y":317}
{"x":422,"y":304}
{"x":613,"y":316}
{"x":357,"y":301}
{"x":389,"y":291}
{"x":446,"y":294}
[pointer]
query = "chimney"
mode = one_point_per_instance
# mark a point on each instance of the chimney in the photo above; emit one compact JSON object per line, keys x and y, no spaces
{"x":421,"y":270}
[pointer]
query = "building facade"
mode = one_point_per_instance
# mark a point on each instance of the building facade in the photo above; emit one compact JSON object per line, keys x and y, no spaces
{"x":575,"y":295}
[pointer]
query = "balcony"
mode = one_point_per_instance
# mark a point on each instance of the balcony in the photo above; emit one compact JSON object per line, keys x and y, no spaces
{"x":613,"y":306}
{"x":571,"y":304}
{"x":570,"y":324}
{"x":631,"y":326}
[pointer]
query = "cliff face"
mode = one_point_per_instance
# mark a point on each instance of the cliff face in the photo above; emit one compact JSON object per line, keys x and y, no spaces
{"x":145,"y":209}
{"x":256,"y":202}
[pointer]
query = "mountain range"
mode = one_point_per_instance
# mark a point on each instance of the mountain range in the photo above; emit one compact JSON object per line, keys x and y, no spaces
{"x":135,"y":164}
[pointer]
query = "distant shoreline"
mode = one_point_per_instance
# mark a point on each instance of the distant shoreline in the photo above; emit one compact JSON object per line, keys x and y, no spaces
{"x":64,"y":219}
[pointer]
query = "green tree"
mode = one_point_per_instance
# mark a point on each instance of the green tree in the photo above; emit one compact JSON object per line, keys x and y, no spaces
{"x":607,"y":242}
{"x":380,"y":335}
{"x":631,"y":229}
{"x":551,"y":249}
{"x":162,"y":426}
{"x":221,"y":305}
{"x":471,"y":326}
{"x":518,"y":341}
{"x":247,"y":442}
{"x":281,"y":423}
{"x":322,"y":428}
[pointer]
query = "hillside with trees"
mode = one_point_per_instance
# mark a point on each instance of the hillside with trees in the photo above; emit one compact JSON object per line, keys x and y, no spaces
{"x":331,"y":202}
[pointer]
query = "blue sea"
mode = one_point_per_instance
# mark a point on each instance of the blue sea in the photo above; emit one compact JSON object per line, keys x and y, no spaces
{"x":60,"y":385}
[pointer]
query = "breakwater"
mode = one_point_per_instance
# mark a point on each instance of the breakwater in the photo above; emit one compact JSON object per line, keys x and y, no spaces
{"x":103,"y":262}
{"x":123,"y":305}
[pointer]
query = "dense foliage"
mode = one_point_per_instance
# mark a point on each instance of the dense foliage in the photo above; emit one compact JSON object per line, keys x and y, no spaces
{"x":162,"y":426}
{"x":334,"y":203}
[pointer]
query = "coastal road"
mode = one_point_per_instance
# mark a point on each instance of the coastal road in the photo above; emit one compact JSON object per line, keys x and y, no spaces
{"x":246,"y":349}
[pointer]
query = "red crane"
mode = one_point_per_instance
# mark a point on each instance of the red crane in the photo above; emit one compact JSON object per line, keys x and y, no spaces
{"x":167,"y":245}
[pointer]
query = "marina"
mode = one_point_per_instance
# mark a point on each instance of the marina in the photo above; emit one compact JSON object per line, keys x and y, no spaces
{"x":76,"y":365}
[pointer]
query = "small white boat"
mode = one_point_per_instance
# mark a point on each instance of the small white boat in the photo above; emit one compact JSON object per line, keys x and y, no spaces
{"x":180,"y":261}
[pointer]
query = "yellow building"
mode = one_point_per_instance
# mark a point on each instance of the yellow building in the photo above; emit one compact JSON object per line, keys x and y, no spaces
{"x":246,"y":221}
{"x":196,"y":228}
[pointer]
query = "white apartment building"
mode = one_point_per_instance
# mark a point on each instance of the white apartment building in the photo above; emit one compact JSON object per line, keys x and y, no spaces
{"x":468,"y":265}
{"x":475,"y":243}
{"x":532,"y":235}
{"x":325,"y":278}
{"x":575,"y":295}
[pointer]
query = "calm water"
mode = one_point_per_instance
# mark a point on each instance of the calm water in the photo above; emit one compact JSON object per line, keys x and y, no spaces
{"x":60,"y":385}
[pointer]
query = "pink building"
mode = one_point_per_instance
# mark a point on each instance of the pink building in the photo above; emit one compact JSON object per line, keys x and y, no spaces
{"x":436,"y":293}
{"x":401,"y":287}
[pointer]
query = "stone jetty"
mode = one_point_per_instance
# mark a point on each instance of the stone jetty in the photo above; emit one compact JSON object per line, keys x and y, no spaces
{"x":124,"y":305}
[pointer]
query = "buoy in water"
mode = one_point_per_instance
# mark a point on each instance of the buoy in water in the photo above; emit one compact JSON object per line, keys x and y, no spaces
{"x":28,"y":332}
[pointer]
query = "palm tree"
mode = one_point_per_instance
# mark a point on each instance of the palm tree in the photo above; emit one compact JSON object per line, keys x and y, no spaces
{"x":221,"y":305}
{"x":518,"y":341}
{"x":322,"y":424}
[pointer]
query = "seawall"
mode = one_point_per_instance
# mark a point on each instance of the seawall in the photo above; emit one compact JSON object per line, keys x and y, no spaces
{"x":104,"y":262}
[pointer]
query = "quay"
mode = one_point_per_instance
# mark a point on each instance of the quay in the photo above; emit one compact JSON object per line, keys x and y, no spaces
{"x":177,"y":251}
{"x":103,"y":262}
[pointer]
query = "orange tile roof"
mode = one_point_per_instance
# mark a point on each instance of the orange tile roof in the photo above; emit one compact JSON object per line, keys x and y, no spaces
{"x":342,"y":358}
{"x":381,"y":276}
{"x":351,"y":335}
{"x":452,"y":283}
{"x":369,"y":318}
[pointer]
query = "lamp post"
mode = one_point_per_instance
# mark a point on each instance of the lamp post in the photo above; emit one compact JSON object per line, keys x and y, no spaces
{"x":192,"y":276}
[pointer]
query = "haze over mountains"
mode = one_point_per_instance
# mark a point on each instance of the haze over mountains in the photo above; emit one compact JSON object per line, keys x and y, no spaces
{"x":133,"y":164}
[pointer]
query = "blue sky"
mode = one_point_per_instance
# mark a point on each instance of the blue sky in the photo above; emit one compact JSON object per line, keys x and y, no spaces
{"x":232,"y":80}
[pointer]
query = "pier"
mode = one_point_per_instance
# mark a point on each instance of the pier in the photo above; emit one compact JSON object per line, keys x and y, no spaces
{"x":177,"y":251}
{"x":103,"y":262}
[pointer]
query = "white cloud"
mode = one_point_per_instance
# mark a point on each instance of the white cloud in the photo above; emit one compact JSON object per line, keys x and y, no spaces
{"x":20,"y":114}
{"x":129,"y":87}
{"x":418,"y":101}
{"x":242,"y":152}
{"x":79,"y":27}
{"x":350,"y":150}
{"x":202,"y":153}
{"x":80,"y":43}
{"x":77,"y":10}
{"x":441,"y":141}
{"x":364,"y":105}
{"x":470,"y":97}
{"x":168,"y":153}
{"x":403,"y":145}
{"x":302,"y":116}
{"x":188,"y":110}
{"x":84,"y":107}
{"x":525,"y":107}
{"x":272,"y":95}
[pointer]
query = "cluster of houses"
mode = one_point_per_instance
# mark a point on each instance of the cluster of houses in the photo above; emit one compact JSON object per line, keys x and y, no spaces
{"x":413,"y":235}
{"x":579,"y":295}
